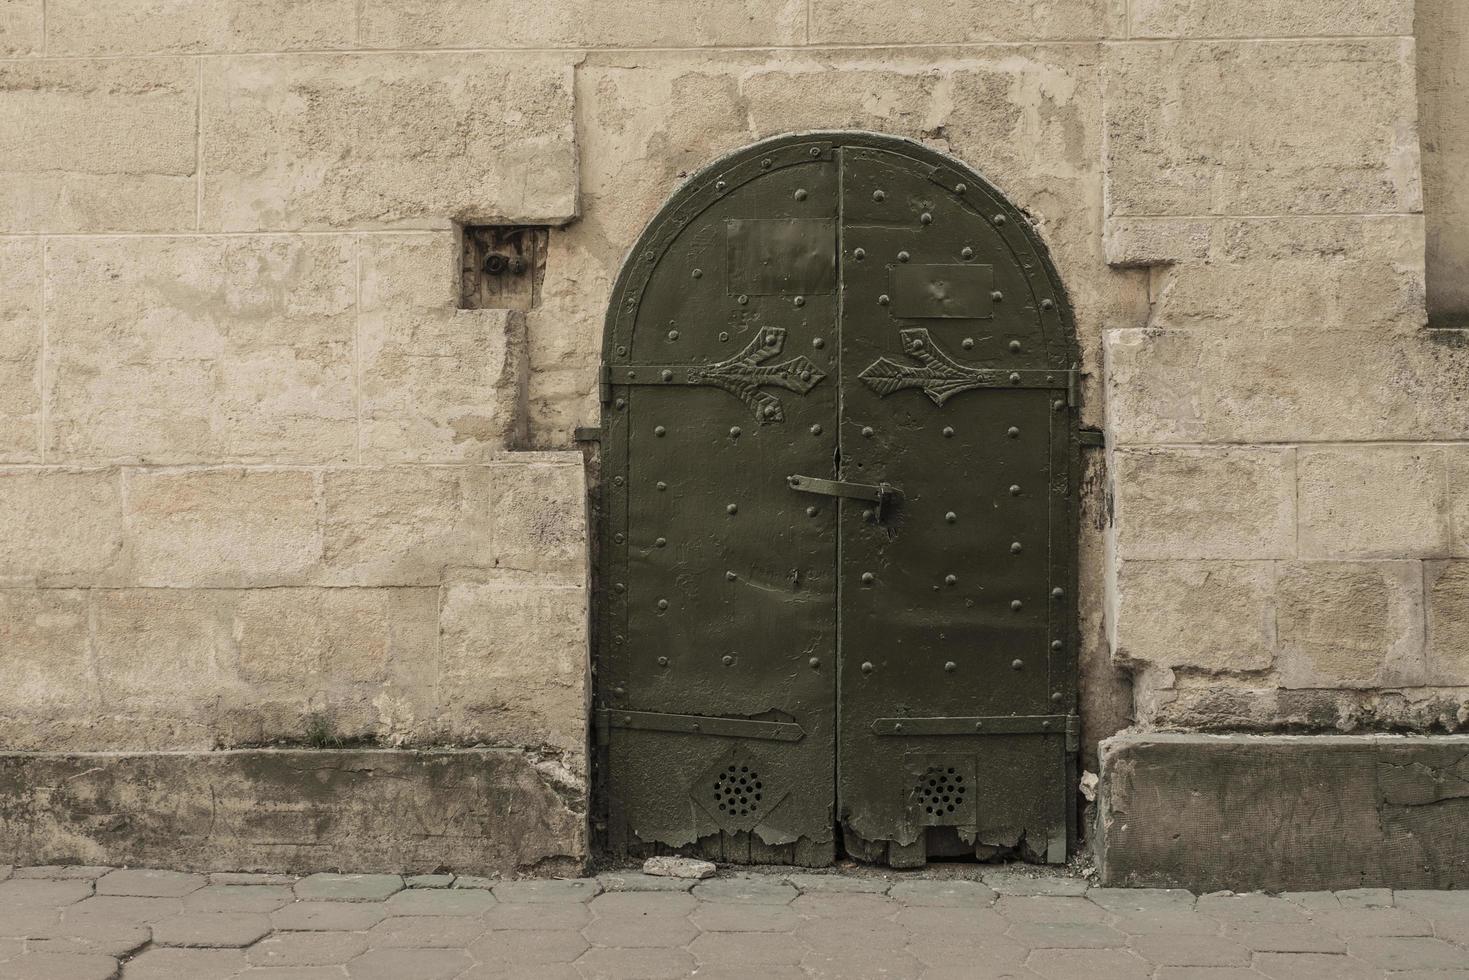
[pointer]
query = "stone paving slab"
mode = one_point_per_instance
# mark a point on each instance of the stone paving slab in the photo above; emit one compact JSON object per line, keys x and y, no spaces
{"x":61,"y":923}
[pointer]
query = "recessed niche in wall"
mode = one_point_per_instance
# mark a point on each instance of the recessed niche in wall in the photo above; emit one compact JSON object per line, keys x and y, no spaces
{"x":502,"y":266}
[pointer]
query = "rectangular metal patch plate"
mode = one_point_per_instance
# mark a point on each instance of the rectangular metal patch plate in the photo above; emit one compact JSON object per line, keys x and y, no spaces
{"x":927,"y":292}
{"x":782,"y":256}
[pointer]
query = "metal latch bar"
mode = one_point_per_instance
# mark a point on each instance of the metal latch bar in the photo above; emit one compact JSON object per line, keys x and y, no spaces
{"x":987,"y":725}
{"x":840,"y":488}
{"x":658,"y":721}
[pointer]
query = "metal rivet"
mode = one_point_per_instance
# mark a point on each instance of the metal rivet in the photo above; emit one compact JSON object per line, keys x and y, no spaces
{"x":814,"y":662}
{"x":950,"y":666}
{"x":1015,"y":346}
{"x":734,"y":431}
{"x":859,"y":254}
{"x":867,"y":666}
{"x":742,"y":299}
{"x":818,"y":343}
{"x":966,"y":252}
{"x":1012,"y":432}
{"x":697,"y":273}
{"x":816,"y":430}
{"x":618,"y":640}
{"x":662,"y":603}
{"x":999,"y":219}
{"x":951,"y":579}
{"x":868,"y":578}
{"x":620,"y":587}
{"x":1057,"y":593}
{"x":812,"y":511}
{"x":805,"y":375}
{"x":732,"y":509}
{"x":897,"y":726}
{"x":878,"y":196}
{"x":621,"y":403}
{"x":960,"y":188}
{"x":660,"y":542}
{"x":619,"y":537}
{"x":621,"y":350}
{"x":978,"y":725}
{"x":925,"y":218}
{"x":658,"y":430}
{"x":662,"y":661}
{"x":903,"y":256}
{"x":1015,"y":547}
{"x":1016,"y":604}
{"x":1057,"y":644}
{"x":816,"y":151}
{"x":631,"y":375}
{"x":1014,"y":378}
{"x":882,"y":300}
{"x":765,"y":164}
{"x":1045,"y":724}
{"x":620,"y":691}
{"x":723,"y":336}
{"x":1047,"y":304}
{"x":868,"y":515}
{"x":951,"y":517}
{"x":800,"y":194}
{"x":720,"y":185}
{"x":1058,"y":404}
{"x":1014,"y":489}
{"x":667,"y":375}
{"x":1057,"y":697}
{"x":997,"y":296}
{"x":731,"y":576}
{"x":771,"y":339}
{"x":1016,"y":664}
{"x":727,"y":659}
{"x":617,"y":481}
{"x":799,"y":301}
{"x":867,"y":432}
{"x":948,"y":432}
{"x":673,"y":335}
{"x":661,"y":485}
{"x":915,"y":344}
{"x":967,"y":343}
{"x":769,"y":411}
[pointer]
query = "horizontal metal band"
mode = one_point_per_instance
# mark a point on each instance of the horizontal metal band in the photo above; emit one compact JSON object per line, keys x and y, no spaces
{"x":657,"y":721}
{"x":990,"y":725}
{"x":652,"y":374}
{"x":840,"y":488}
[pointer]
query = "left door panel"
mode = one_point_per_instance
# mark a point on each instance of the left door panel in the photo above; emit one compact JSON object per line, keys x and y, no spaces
{"x":716,"y":703}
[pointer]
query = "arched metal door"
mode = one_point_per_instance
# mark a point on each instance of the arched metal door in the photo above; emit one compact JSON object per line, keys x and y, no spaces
{"x":837,"y":562}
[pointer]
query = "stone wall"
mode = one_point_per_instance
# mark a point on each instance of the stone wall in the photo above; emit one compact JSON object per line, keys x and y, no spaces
{"x":263,"y":480}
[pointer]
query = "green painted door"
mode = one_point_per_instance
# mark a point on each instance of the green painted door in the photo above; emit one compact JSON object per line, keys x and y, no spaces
{"x":836,"y":568}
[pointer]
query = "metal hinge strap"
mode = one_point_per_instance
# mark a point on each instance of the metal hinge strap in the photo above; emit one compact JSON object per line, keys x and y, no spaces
{"x":990,"y":725}
{"x":724,"y":727}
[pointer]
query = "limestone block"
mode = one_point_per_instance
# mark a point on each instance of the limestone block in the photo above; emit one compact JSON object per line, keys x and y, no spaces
{"x":1313,"y":273}
{"x":1189,"y":123}
{"x":58,"y":527}
{"x":404,"y":525}
{"x":1457,"y":459}
{"x":1205,"y":615}
{"x":514,"y":663}
{"x":1446,"y":585}
{"x":162,"y":652}
{"x":1205,"y":503}
{"x":222,"y":527}
{"x":20,"y":351}
{"x":43,"y":654}
{"x":22,"y":28}
{"x":1374,"y":502}
{"x":582,"y":23}
{"x":1350,"y":624}
{"x":326,"y":141}
{"x":75,"y":27}
{"x":97,"y":145}
{"x":438,"y":384}
{"x":941,"y":22}
{"x":539,"y":513}
{"x":1198,"y":387}
{"x":1269,"y":18}
{"x":180,"y":350}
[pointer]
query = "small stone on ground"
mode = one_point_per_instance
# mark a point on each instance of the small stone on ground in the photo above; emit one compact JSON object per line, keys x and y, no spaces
{"x":677,"y":867}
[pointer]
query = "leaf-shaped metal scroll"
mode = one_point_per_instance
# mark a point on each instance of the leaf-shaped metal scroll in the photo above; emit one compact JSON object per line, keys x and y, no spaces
{"x":940,"y":377}
{"x":746,"y":373}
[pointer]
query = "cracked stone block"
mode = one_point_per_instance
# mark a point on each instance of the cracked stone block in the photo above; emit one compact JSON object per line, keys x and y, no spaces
{"x":42,"y":893}
{"x":211,"y":929}
{"x":297,"y":949}
{"x":90,"y":936}
{"x":429,"y":881}
{"x":62,"y":872}
{"x":347,"y":888}
{"x":186,"y":964}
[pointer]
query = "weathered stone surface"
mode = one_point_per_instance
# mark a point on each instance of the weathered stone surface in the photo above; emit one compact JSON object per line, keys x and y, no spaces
{"x":306,"y":949}
{"x":1442,"y":33}
{"x":20,"y":346}
{"x":222,"y":528}
{"x":227,"y":930}
{"x":514,"y":663}
{"x":97,"y":145}
{"x":439,"y":384}
{"x":636,"y":882}
{"x":1189,"y":503}
{"x":348,"y":888}
{"x":320,"y":141}
{"x":1251,"y":812}
{"x":148,"y":883}
{"x":1350,"y":624}
{"x":291,"y":810}
{"x":441,"y":901}
{"x":148,"y":26}
{"x":61,"y":966}
{"x":22,"y":28}
{"x":1272,"y":18}
{"x":582,"y":23}
{"x":540,"y":513}
{"x":64,"y":527}
{"x":547,"y":891}
{"x":1208,"y":615}
{"x":238,"y":898}
{"x":677,"y":867}
{"x":1374,"y":502}
{"x":1196,"y":387}
{"x":1188,"y":122}
{"x":327,"y":917}
{"x":186,"y":964}
{"x":1457,"y":458}
{"x":934,"y":21}
{"x":1446,"y":591}
{"x":201,"y":349}
{"x":44,"y":659}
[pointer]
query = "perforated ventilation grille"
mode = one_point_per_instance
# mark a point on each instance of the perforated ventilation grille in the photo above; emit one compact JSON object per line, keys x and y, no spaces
{"x":737,"y":791}
{"x":941,"y":790}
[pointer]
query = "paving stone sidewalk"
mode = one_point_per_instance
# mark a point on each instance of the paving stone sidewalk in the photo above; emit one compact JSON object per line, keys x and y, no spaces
{"x":74,"y":923}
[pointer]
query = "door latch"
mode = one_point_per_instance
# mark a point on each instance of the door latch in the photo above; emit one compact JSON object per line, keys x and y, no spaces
{"x":880,"y":494}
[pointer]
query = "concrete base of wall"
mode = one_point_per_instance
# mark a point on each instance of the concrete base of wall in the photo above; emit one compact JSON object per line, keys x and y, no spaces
{"x":473,"y":811}
{"x":1284,"y":813}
